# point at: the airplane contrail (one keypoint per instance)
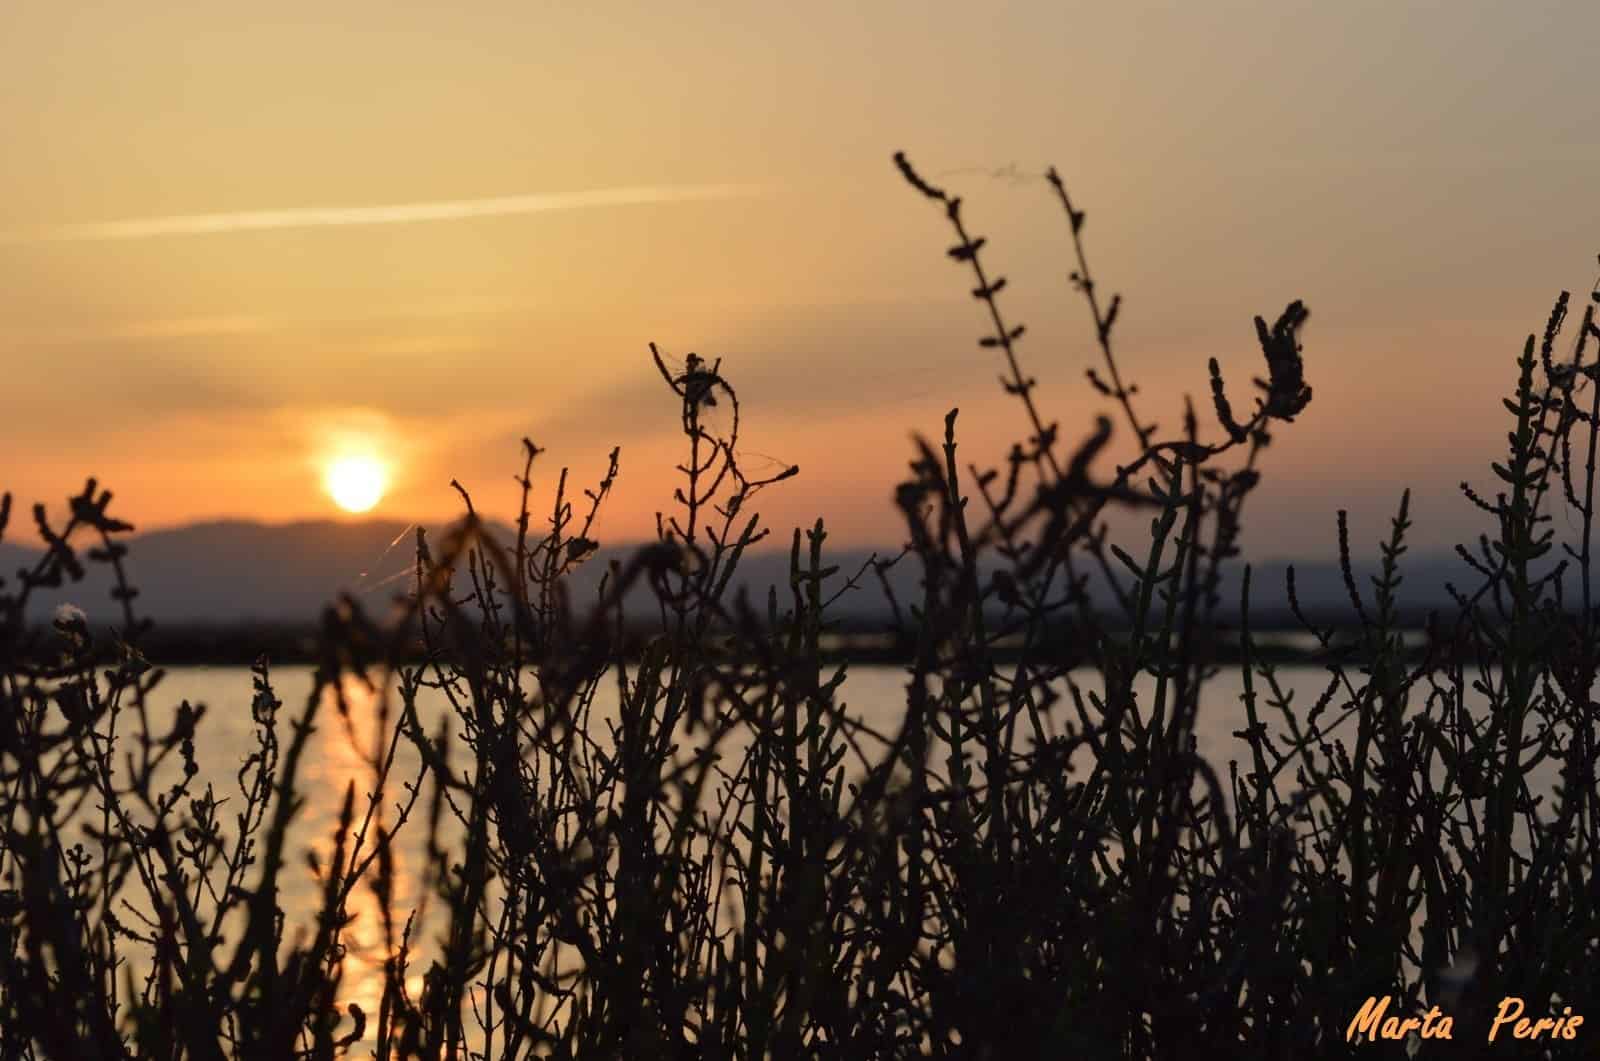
(446, 210)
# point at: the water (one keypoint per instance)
(339, 755)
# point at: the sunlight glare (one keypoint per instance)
(356, 483)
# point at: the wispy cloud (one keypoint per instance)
(397, 213)
(140, 330)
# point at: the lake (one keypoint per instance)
(875, 694)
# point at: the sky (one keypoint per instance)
(237, 241)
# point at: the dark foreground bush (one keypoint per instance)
(1035, 862)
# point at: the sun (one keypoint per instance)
(356, 483)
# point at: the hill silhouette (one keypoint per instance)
(239, 573)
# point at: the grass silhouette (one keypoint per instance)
(1035, 861)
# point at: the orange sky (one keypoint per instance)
(197, 289)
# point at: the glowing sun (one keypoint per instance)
(356, 483)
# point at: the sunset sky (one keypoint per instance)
(236, 239)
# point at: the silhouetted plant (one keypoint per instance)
(694, 847)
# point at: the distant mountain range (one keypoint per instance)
(238, 573)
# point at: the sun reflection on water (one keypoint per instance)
(354, 748)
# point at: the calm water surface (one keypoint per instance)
(337, 756)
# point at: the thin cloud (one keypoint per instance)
(209, 327)
(142, 330)
(399, 213)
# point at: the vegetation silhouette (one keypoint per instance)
(1035, 862)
